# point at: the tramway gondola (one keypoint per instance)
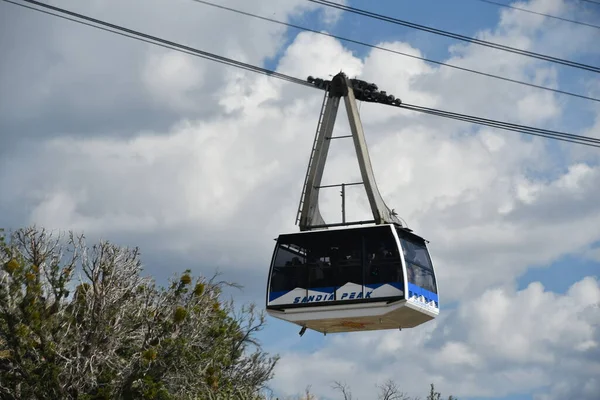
(349, 276)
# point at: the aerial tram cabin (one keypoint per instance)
(349, 276)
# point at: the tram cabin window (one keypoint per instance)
(383, 264)
(289, 268)
(419, 269)
(324, 259)
(330, 259)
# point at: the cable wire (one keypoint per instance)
(120, 33)
(397, 52)
(583, 140)
(159, 41)
(592, 1)
(539, 13)
(457, 36)
(550, 134)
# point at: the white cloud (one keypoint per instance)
(457, 354)
(81, 80)
(331, 15)
(502, 342)
(319, 56)
(170, 77)
(221, 176)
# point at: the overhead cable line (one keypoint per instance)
(539, 13)
(457, 36)
(549, 134)
(397, 52)
(587, 141)
(119, 33)
(369, 92)
(155, 40)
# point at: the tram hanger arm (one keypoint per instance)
(340, 86)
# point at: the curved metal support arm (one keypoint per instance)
(309, 213)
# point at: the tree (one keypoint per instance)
(434, 395)
(389, 390)
(82, 322)
(344, 389)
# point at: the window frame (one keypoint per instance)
(405, 236)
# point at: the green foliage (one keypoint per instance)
(107, 332)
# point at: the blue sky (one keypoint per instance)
(432, 13)
(202, 168)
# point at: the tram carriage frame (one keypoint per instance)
(402, 302)
(355, 289)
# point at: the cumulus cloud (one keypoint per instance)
(203, 164)
(500, 343)
(83, 81)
